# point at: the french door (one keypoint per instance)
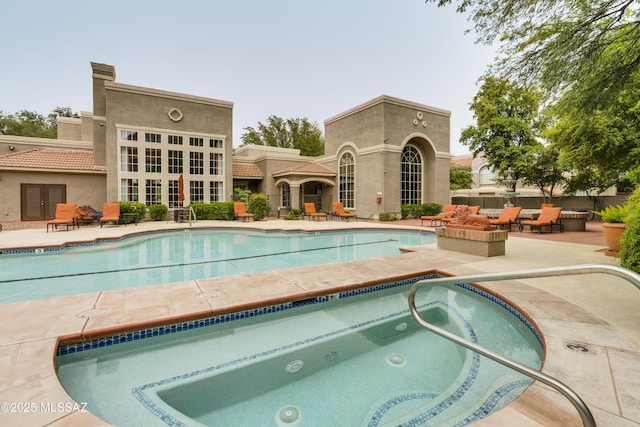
(38, 201)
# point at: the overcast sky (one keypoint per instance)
(289, 58)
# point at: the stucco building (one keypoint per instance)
(138, 141)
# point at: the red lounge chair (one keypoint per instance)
(110, 213)
(65, 215)
(549, 217)
(447, 212)
(240, 211)
(310, 211)
(508, 216)
(338, 209)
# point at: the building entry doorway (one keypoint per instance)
(38, 201)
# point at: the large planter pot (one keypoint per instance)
(612, 233)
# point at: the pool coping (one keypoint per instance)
(27, 344)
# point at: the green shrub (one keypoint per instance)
(407, 210)
(416, 211)
(241, 195)
(158, 212)
(387, 216)
(294, 214)
(630, 242)
(428, 209)
(215, 210)
(258, 206)
(140, 209)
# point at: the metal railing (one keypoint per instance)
(576, 401)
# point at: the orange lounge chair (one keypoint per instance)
(508, 216)
(549, 217)
(65, 215)
(447, 212)
(338, 209)
(310, 211)
(240, 211)
(110, 213)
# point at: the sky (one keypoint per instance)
(289, 58)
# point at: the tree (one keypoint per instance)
(601, 147)
(460, 177)
(32, 124)
(544, 171)
(291, 133)
(507, 126)
(559, 44)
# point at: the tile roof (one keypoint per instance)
(46, 158)
(246, 170)
(307, 168)
(462, 161)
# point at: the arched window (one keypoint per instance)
(411, 176)
(487, 175)
(347, 177)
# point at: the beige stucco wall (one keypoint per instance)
(81, 188)
(148, 109)
(375, 133)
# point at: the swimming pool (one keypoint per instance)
(173, 256)
(351, 358)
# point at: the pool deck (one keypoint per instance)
(590, 323)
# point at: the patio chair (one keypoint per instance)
(447, 212)
(508, 216)
(310, 211)
(549, 217)
(110, 213)
(338, 210)
(240, 211)
(65, 215)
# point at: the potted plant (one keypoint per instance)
(613, 227)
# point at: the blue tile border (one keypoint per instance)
(70, 348)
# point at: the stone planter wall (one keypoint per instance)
(473, 242)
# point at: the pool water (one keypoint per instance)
(344, 360)
(164, 257)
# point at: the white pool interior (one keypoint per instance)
(172, 256)
(354, 358)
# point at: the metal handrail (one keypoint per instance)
(578, 403)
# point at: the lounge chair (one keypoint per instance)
(65, 215)
(508, 216)
(338, 210)
(447, 212)
(549, 217)
(310, 211)
(110, 213)
(240, 211)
